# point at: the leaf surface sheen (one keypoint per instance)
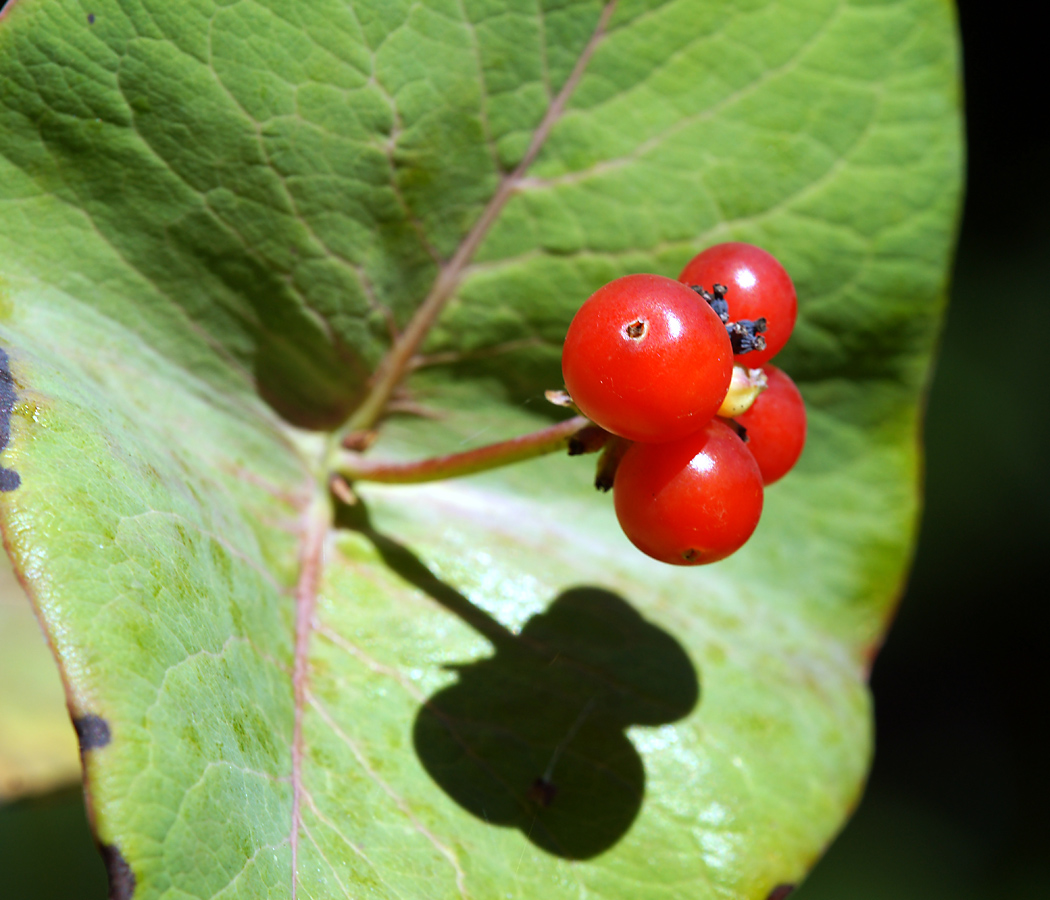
(216, 218)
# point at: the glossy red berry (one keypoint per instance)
(647, 359)
(691, 501)
(776, 426)
(758, 287)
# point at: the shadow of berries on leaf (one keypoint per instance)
(534, 737)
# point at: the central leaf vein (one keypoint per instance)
(398, 360)
(316, 525)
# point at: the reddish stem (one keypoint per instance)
(355, 467)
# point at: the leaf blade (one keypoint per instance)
(144, 327)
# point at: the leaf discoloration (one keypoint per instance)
(9, 478)
(93, 732)
(121, 878)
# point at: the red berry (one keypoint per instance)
(776, 426)
(758, 288)
(647, 359)
(690, 501)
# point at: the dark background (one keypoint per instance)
(957, 802)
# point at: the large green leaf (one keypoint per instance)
(217, 218)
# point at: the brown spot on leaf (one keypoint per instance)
(121, 878)
(92, 732)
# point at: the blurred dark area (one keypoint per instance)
(47, 851)
(956, 804)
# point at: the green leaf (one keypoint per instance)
(217, 219)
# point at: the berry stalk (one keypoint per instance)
(577, 435)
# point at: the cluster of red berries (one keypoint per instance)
(651, 360)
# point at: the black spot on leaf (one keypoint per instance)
(91, 18)
(9, 478)
(780, 892)
(121, 878)
(92, 732)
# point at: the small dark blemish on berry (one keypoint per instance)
(92, 732)
(121, 878)
(542, 792)
(637, 329)
(91, 18)
(9, 478)
(780, 891)
(691, 555)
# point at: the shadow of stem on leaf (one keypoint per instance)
(534, 737)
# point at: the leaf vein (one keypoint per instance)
(399, 801)
(604, 166)
(397, 361)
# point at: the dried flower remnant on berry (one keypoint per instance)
(637, 329)
(715, 298)
(746, 335)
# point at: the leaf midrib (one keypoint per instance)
(318, 519)
(397, 362)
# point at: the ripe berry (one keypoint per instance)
(776, 426)
(757, 288)
(690, 501)
(647, 359)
